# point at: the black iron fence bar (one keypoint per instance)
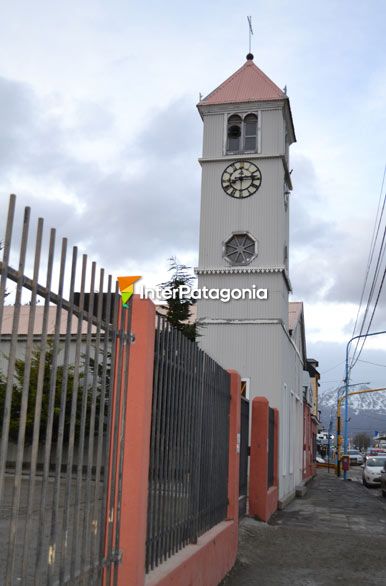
(12, 351)
(98, 524)
(153, 452)
(41, 538)
(164, 442)
(179, 463)
(23, 412)
(4, 266)
(201, 450)
(114, 455)
(38, 409)
(106, 514)
(54, 298)
(162, 445)
(192, 378)
(87, 529)
(126, 344)
(172, 445)
(72, 431)
(196, 465)
(181, 495)
(77, 542)
(54, 535)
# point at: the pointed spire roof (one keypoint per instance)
(247, 84)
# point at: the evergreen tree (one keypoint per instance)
(32, 392)
(179, 308)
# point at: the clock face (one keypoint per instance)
(241, 179)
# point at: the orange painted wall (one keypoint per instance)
(131, 571)
(262, 500)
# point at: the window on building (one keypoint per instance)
(250, 132)
(242, 133)
(234, 134)
(240, 249)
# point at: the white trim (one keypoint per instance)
(242, 270)
(233, 321)
(259, 131)
(225, 137)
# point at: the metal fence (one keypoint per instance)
(188, 474)
(59, 413)
(244, 453)
(271, 447)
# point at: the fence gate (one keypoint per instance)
(271, 446)
(244, 453)
(64, 343)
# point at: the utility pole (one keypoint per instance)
(346, 385)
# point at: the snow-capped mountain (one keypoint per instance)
(367, 412)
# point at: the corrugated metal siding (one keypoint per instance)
(272, 132)
(252, 351)
(276, 306)
(262, 214)
(213, 136)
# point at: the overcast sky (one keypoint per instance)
(99, 133)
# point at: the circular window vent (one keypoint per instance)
(240, 249)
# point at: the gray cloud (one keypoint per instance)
(125, 215)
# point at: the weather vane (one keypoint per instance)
(250, 31)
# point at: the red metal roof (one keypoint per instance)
(247, 84)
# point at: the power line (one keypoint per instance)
(372, 246)
(381, 253)
(373, 363)
(371, 319)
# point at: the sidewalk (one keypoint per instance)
(335, 534)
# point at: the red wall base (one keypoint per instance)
(263, 501)
(203, 564)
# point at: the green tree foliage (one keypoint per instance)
(362, 440)
(32, 394)
(179, 308)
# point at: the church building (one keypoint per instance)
(244, 248)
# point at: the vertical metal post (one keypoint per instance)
(346, 385)
(338, 438)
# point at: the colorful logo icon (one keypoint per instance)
(126, 287)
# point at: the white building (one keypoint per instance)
(244, 244)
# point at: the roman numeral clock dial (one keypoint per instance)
(241, 179)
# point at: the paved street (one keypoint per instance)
(335, 534)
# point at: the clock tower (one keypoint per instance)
(244, 228)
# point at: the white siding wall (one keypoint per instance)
(261, 352)
(261, 214)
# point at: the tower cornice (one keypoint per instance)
(245, 271)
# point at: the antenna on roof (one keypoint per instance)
(249, 18)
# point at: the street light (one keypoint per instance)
(338, 434)
(346, 385)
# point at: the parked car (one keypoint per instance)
(355, 457)
(383, 480)
(371, 475)
(374, 452)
